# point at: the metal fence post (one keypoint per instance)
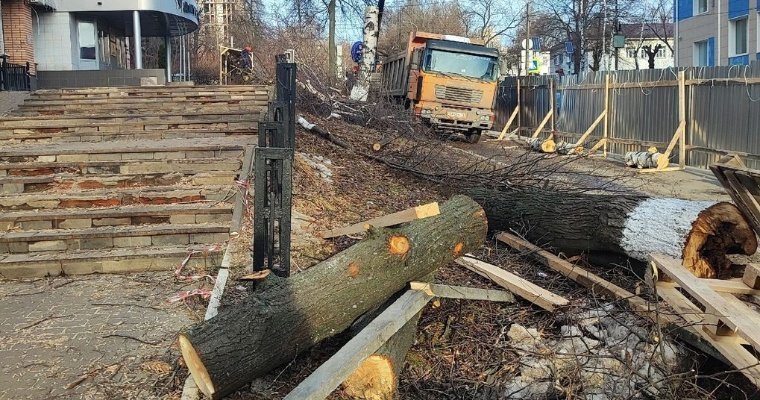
(273, 184)
(27, 77)
(4, 73)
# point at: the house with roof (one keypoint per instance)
(631, 53)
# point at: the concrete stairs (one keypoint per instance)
(123, 179)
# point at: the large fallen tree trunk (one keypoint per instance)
(615, 227)
(287, 316)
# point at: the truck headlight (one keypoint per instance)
(426, 112)
(485, 117)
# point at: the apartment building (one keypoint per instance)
(63, 39)
(716, 32)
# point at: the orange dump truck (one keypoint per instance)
(449, 81)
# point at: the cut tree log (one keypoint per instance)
(410, 214)
(646, 159)
(616, 228)
(544, 146)
(234, 347)
(322, 133)
(377, 146)
(367, 365)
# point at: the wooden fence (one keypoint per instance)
(700, 114)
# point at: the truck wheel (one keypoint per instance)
(473, 137)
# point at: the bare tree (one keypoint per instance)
(490, 19)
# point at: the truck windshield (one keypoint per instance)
(469, 65)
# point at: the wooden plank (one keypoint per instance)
(751, 276)
(340, 366)
(738, 356)
(591, 128)
(410, 214)
(682, 118)
(594, 282)
(731, 286)
(606, 112)
(519, 286)
(542, 124)
(509, 122)
(728, 313)
(243, 192)
(463, 293)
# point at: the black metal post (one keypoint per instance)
(273, 185)
(27, 77)
(4, 73)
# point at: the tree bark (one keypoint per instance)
(616, 228)
(287, 316)
(332, 51)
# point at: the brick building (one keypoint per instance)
(66, 41)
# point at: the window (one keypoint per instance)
(700, 54)
(737, 37)
(631, 52)
(86, 40)
(700, 6)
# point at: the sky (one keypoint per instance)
(349, 26)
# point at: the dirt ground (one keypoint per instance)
(114, 336)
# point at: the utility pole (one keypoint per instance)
(617, 31)
(527, 37)
(331, 56)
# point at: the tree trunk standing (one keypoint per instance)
(287, 316)
(613, 228)
(332, 58)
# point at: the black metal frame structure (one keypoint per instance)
(273, 174)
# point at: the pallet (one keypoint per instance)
(742, 184)
(729, 324)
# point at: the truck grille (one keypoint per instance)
(460, 95)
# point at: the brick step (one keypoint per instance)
(154, 95)
(126, 102)
(107, 237)
(223, 147)
(58, 182)
(157, 89)
(118, 131)
(115, 110)
(110, 198)
(118, 260)
(94, 119)
(77, 218)
(126, 167)
(243, 98)
(138, 135)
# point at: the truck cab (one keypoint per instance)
(448, 81)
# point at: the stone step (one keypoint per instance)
(157, 89)
(110, 198)
(126, 102)
(58, 182)
(127, 130)
(154, 95)
(114, 110)
(78, 218)
(95, 119)
(224, 147)
(138, 135)
(127, 167)
(107, 237)
(115, 260)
